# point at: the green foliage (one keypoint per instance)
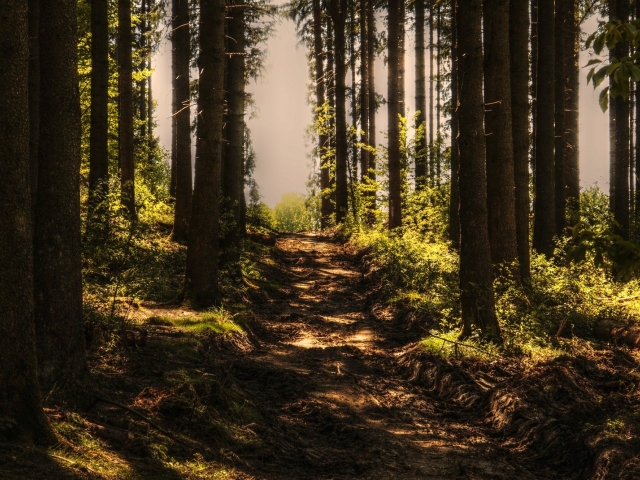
(292, 214)
(218, 321)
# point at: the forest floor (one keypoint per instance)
(327, 380)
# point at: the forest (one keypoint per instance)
(447, 300)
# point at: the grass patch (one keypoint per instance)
(217, 321)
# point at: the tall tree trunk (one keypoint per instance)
(233, 168)
(612, 125)
(99, 133)
(181, 54)
(534, 84)
(151, 140)
(476, 283)
(544, 226)
(34, 98)
(57, 259)
(364, 90)
(323, 139)
(499, 141)
(353, 170)
(518, 50)
(401, 60)
(201, 279)
(338, 12)
(20, 396)
(454, 197)
(572, 117)
(421, 98)
(393, 110)
(560, 101)
(432, 160)
(373, 103)
(636, 180)
(125, 93)
(438, 95)
(621, 174)
(331, 94)
(143, 83)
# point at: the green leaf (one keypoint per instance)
(603, 100)
(593, 61)
(598, 44)
(599, 76)
(590, 39)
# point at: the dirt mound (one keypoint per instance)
(571, 415)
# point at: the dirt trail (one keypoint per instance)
(326, 382)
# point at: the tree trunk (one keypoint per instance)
(438, 153)
(621, 174)
(421, 98)
(572, 117)
(637, 146)
(98, 219)
(201, 279)
(401, 60)
(560, 101)
(454, 199)
(432, 160)
(181, 54)
(323, 139)
(476, 283)
(331, 94)
(364, 90)
(534, 84)
(19, 393)
(57, 260)
(353, 169)
(339, 12)
(233, 168)
(393, 110)
(34, 99)
(499, 142)
(373, 103)
(143, 83)
(544, 226)
(518, 49)
(125, 93)
(612, 125)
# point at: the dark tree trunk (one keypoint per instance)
(201, 280)
(353, 169)
(99, 134)
(612, 125)
(421, 98)
(125, 94)
(401, 60)
(476, 288)
(432, 160)
(518, 49)
(572, 117)
(534, 84)
(499, 141)
(454, 200)
(323, 139)
(181, 54)
(393, 110)
(560, 99)
(438, 152)
(143, 64)
(233, 168)
(621, 173)
(544, 226)
(57, 261)
(331, 94)
(19, 392)
(373, 104)
(364, 90)
(339, 12)
(34, 98)
(637, 146)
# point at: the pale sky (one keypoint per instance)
(282, 115)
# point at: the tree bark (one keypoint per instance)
(432, 160)
(499, 141)
(393, 111)
(364, 90)
(143, 83)
(544, 226)
(181, 54)
(454, 199)
(612, 125)
(518, 49)
(438, 152)
(560, 102)
(98, 219)
(421, 98)
(57, 259)
(201, 279)
(476, 288)
(572, 114)
(34, 98)
(534, 84)
(339, 12)
(323, 139)
(233, 168)
(621, 173)
(19, 393)
(373, 103)
(125, 93)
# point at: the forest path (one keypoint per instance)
(328, 390)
